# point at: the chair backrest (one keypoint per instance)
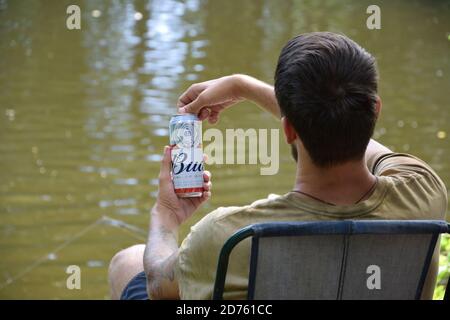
(365, 259)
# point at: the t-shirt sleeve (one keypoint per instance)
(414, 178)
(400, 164)
(198, 257)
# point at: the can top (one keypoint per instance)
(187, 116)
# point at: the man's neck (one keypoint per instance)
(343, 184)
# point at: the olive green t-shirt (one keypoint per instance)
(407, 189)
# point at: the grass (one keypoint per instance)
(444, 268)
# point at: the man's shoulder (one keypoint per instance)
(405, 168)
(414, 185)
(398, 164)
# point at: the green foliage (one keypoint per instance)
(444, 268)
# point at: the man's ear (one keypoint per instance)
(289, 132)
(378, 106)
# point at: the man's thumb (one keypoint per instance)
(193, 107)
(164, 173)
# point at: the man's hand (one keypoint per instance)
(173, 210)
(208, 99)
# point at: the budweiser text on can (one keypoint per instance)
(187, 155)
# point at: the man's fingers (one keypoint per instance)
(207, 186)
(189, 101)
(164, 173)
(213, 117)
(193, 107)
(189, 95)
(206, 195)
(204, 113)
(206, 176)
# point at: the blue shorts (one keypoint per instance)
(136, 289)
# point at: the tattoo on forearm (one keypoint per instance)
(160, 258)
(166, 268)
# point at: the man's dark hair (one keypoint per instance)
(326, 86)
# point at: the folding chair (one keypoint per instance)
(364, 259)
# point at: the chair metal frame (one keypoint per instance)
(344, 227)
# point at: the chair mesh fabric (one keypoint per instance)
(340, 266)
(304, 267)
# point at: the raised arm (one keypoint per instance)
(208, 99)
(258, 92)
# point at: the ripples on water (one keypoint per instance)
(84, 114)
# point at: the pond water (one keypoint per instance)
(84, 114)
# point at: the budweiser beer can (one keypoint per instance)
(187, 155)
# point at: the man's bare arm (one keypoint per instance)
(258, 92)
(161, 254)
(168, 213)
(210, 98)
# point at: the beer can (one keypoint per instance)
(187, 155)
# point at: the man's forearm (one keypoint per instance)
(161, 254)
(259, 93)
